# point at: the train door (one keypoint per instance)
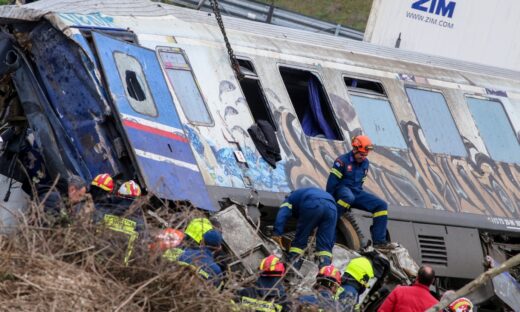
(160, 148)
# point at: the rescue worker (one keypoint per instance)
(345, 183)
(113, 215)
(101, 187)
(327, 283)
(268, 294)
(460, 305)
(129, 189)
(201, 258)
(196, 228)
(313, 208)
(168, 243)
(355, 280)
(79, 203)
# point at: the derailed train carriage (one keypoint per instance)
(145, 90)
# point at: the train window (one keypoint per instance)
(181, 78)
(310, 103)
(136, 88)
(378, 121)
(495, 129)
(252, 90)
(436, 122)
(364, 86)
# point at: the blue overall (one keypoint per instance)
(202, 261)
(313, 208)
(345, 183)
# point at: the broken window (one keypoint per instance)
(495, 129)
(375, 113)
(253, 93)
(310, 103)
(436, 121)
(186, 89)
(136, 88)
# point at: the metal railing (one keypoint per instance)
(266, 13)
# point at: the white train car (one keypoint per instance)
(146, 90)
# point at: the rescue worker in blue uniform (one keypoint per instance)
(345, 183)
(327, 283)
(268, 293)
(313, 208)
(201, 258)
(355, 280)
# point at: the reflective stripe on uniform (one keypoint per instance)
(286, 204)
(324, 253)
(172, 254)
(343, 203)
(380, 214)
(260, 305)
(338, 292)
(125, 226)
(296, 250)
(336, 172)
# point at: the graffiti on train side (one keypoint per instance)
(221, 167)
(413, 177)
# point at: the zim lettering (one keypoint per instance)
(437, 7)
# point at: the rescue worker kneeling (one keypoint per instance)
(201, 258)
(355, 280)
(268, 294)
(327, 284)
(313, 208)
(112, 212)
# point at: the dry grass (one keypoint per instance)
(79, 268)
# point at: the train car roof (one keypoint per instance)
(49, 9)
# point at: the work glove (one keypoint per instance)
(278, 240)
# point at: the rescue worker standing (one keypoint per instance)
(313, 208)
(268, 293)
(345, 183)
(201, 259)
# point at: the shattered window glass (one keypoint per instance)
(437, 124)
(186, 89)
(378, 121)
(136, 88)
(495, 129)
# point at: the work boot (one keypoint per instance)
(295, 260)
(324, 261)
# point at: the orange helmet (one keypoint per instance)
(330, 273)
(129, 189)
(104, 181)
(167, 239)
(362, 143)
(460, 305)
(272, 266)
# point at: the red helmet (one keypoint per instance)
(460, 305)
(167, 239)
(104, 181)
(272, 266)
(330, 273)
(362, 143)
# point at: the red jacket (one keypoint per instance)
(415, 298)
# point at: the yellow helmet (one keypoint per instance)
(197, 228)
(361, 270)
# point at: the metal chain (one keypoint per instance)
(232, 58)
